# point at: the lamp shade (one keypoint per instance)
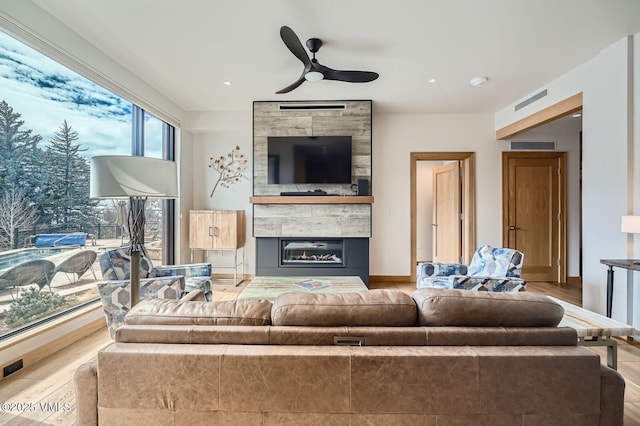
(121, 176)
(630, 224)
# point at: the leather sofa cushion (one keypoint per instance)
(446, 307)
(194, 334)
(390, 308)
(174, 312)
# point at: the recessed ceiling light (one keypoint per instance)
(226, 83)
(577, 115)
(432, 80)
(478, 81)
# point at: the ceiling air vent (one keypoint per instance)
(532, 146)
(311, 107)
(531, 100)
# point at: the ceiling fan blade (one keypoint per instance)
(292, 42)
(293, 85)
(349, 76)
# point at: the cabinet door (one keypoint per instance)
(225, 229)
(201, 229)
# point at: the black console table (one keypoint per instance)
(628, 264)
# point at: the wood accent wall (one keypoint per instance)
(269, 120)
(312, 220)
(275, 216)
(316, 199)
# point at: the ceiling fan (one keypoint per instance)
(313, 70)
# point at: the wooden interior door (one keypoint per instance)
(533, 212)
(447, 223)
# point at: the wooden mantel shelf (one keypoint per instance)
(312, 199)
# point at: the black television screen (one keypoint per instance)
(309, 159)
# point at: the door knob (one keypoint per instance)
(512, 228)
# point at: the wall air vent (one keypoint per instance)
(12, 368)
(311, 107)
(532, 146)
(531, 100)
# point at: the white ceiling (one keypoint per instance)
(185, 49)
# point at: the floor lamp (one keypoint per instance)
(136, 178)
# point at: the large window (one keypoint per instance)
(51, 122)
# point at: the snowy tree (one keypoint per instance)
(68, 201)
(15, 213)
(21, 160)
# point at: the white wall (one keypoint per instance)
(609, 184)
(215, 134)
(394, 138)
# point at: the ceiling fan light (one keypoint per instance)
(313, 76)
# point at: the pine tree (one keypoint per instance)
(68, 201)
(21, 168)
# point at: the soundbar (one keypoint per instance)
(294, 193)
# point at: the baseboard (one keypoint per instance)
(227, 280)
(230, 276)
(39, 352)
(574, 280)
(383, 279)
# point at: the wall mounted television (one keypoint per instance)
(309, 159)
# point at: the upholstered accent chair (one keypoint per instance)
(115, 265)
(491, 269)
(161, 282)
(115, 296)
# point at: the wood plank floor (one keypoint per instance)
(46, 388)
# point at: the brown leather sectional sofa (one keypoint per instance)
(381, 357)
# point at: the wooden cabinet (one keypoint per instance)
(216, 229)
(219, 230)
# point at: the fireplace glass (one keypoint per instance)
(312, 252)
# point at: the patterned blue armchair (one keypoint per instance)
(491, 269)
(162, 282)
(115, 296)
(115, 265)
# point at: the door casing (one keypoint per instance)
(467, 165)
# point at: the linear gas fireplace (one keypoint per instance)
(313, 257)
(311, 252)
